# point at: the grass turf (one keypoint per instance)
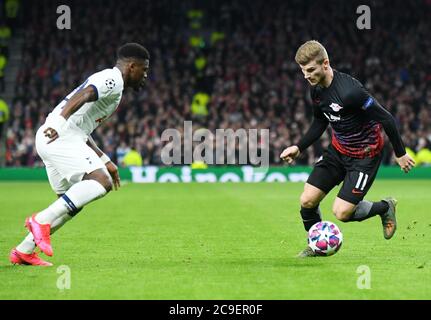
(216, 241)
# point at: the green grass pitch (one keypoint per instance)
(217, 241)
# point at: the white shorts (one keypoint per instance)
(67, 159)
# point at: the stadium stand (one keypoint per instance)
(221, 65)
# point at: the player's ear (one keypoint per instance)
(326, 64)
(131, 64)
(134, 64)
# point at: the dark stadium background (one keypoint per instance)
(239, 55)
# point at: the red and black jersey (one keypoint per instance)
(356, 119)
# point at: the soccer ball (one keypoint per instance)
(325, 238)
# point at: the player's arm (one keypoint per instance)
(81, 97)
(92, 144)
(379, 114)
(110, 166)
(317, 128)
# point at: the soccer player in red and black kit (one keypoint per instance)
(354, 156)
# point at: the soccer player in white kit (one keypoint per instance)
(78, 171)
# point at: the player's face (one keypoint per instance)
(139, 73)
(314, 72)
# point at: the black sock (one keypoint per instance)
(366, 209)
(380, 207)
(310, 216)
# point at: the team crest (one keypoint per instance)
(110, 83)
(336, 107)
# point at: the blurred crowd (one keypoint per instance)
(8, 16)
(221, 65)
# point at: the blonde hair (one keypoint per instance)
(309, 51)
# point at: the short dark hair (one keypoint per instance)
(133, 50)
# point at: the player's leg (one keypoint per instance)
(327, 173)
(24, 252)
(310, 200)
(346, 211)
(94, 185)
(60, 221)
(60, 186)
(28, 245)
(100, 176)
(87, 180)
(350, 204)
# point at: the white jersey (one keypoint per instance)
(109, 86)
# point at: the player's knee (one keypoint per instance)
(106, 183)
(308, 202)
(101, 177)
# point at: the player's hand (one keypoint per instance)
(113, 171)
(289, 154)
(405, 162)
(51, 134)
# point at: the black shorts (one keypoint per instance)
(358, 174)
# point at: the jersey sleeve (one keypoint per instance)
(105, 83)
(317, 128)
(360, 98)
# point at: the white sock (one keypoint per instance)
(75, 198)
(59, 222)
(53, 212)
(28, 245)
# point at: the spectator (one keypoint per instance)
(4, 115)
(12, 7)
(3, 63)
(5, 34)
(132, 159)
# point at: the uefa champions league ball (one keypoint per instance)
(325, 238)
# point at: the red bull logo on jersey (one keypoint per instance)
(336, 107)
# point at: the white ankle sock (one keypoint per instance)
(53, 212)
(59, 222)
(27, 245)
(75, 198)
